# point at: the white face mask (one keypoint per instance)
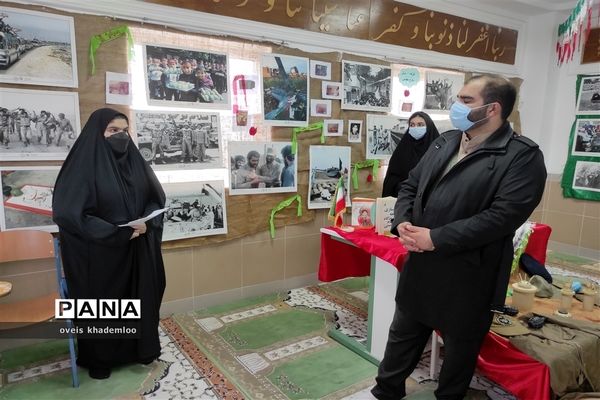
(417, 132)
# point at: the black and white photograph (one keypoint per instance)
(383, 133)
(118, 88)
(285, 86)
(588, 100)
(333, 127)
(171, 140)
(195, 209)
(355, 129)
(441, 89)
(320, 70)
(327, 165)
(587, 138)
(331, 90)
(178, 77)
(37, 124)
(367, 87)
(587, 176)
(37, 48)
(262, 168)
(27, 198)
(320, 108)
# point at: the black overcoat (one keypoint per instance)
(473, 212)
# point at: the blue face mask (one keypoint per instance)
(417, 132)
(459, 115)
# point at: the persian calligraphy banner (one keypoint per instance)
(385, 21)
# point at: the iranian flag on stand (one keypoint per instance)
(338, 204)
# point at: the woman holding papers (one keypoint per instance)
(415, 142)
(102, 186)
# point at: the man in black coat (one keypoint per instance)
(457, 213)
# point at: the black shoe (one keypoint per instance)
(147, 361)
(99, 373)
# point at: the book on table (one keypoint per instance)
(384, 211)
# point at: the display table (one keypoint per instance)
(363, 253)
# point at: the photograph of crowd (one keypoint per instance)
(37, 124)
(367, 87)
(285, 90)
(179, 139)
(327, 165)
(587, 139)
(587, 176)
(37, 48)
(383, 135)
(262, 167)
(195, 209)
(441, 89)
(27, 198)
(588, 100)
(186, 78)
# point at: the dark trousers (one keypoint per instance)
(407, 339)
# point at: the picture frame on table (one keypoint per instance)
(327, 165)
(285, 85)
(27, 197)
(185, 77)
(38, 48)
(262, 168)
(383, 133)
(176, 140)
(195, 209)
(367, 87)
(41, 124)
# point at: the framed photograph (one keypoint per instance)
(331, 90)
(37, 48)
(37, 124)
(587, 176)
(327, 165)
(355, 130)
(320, 108)
(178, 77)
(383, 134)
(333, 127)
(588, 100)
(118, 88)
(285, 86)
(195, 209)
(27, 198)
(441, 89)
(367, 87)
(170, 140)
(587, 141)
(262, 167)
(320, 69)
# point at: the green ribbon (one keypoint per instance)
(364, 164)
(281, 206)
(312, 127)
(97, 40)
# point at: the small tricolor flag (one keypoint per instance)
(338, 204)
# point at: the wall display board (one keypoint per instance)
(195, 209)
(169, 140)
(367, 87)
(285, 84)
(262, 167)
(37, 48)
(581, 175)
(27, 198)
(383, 133)
(178, 77)
(327, 165)
(37, 124)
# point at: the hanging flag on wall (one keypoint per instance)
(575, 29)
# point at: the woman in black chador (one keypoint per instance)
(415, 142)
(103, 183)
